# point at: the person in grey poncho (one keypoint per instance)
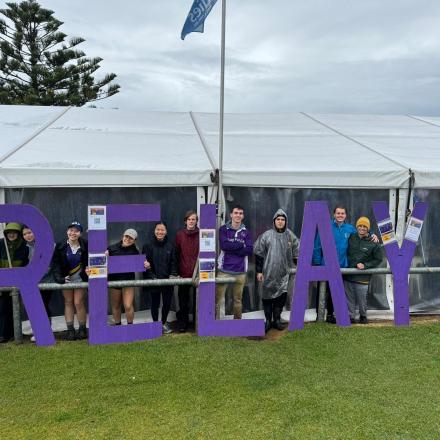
(275, 251)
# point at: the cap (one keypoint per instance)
(364, 221)
(76, 225)
(131, 233)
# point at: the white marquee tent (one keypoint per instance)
(62, 147)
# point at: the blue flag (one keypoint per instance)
(197, 15)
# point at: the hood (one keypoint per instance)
(277, 214)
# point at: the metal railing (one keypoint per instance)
(18, 337)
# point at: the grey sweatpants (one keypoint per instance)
(356, 294)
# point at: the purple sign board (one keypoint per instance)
(316, 219)
(400, 259)
(207, 324)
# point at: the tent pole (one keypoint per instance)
(222, 112)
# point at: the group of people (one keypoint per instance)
(276, 251)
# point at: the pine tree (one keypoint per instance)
(37, 67)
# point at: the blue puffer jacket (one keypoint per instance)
(341, 235)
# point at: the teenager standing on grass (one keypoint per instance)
(119, 295)
(160, 264)
(236, 247)
(13, 253)
(72, 257)
(363, 253)
(275, 251)
(187, 252)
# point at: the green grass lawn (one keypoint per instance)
(323, 382)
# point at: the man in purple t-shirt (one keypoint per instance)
(236, 246)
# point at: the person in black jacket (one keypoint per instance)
(127, 246)
(13, 253)
(161, 263)
(72, 257)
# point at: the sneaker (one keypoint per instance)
(352, 320)
(166, 328)
(70, 334)
(32, 338)
(331, 319)
(82, 333)
(363, 320)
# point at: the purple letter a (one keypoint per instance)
(316, 215)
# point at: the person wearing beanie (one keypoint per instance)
(119, 295)
(13, 253)
(275, 251)
(363, 253)
(342, 231)
(72, 257)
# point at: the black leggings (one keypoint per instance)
(167, 295)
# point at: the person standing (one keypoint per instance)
(363, 253)
(72, 257)
(235, 248)
(341, 233)
(119, 295)
(13, 253)
(52, 274)
(187, 252)
(275, 251)
(160, 264)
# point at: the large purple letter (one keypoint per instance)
(316, 215)
(400, 261)
(100, 332)
(207, 324)
(27, 278)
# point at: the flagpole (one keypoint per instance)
(222, 114)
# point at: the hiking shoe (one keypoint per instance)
(82, 333)
(363, 320)
(70, 334)
(166, 329)
(330, 319)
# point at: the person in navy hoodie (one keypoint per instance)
(236, 246)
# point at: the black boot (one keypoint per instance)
(277, 324)
(267, 307)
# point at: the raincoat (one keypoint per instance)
(275, 252)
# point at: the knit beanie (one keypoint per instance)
(364, 221)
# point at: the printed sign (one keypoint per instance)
(97, 217)
(414, 229)
(207, 269)
(386, 230)
(207, 240)
(97, 266)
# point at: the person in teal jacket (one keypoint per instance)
(341, 233)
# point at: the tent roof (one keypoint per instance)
(55, 146)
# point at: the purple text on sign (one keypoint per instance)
(27, 278)
(317, 217)
(100, 332)
(207, 324)
(400, 261)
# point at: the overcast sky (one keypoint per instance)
(380, 56)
